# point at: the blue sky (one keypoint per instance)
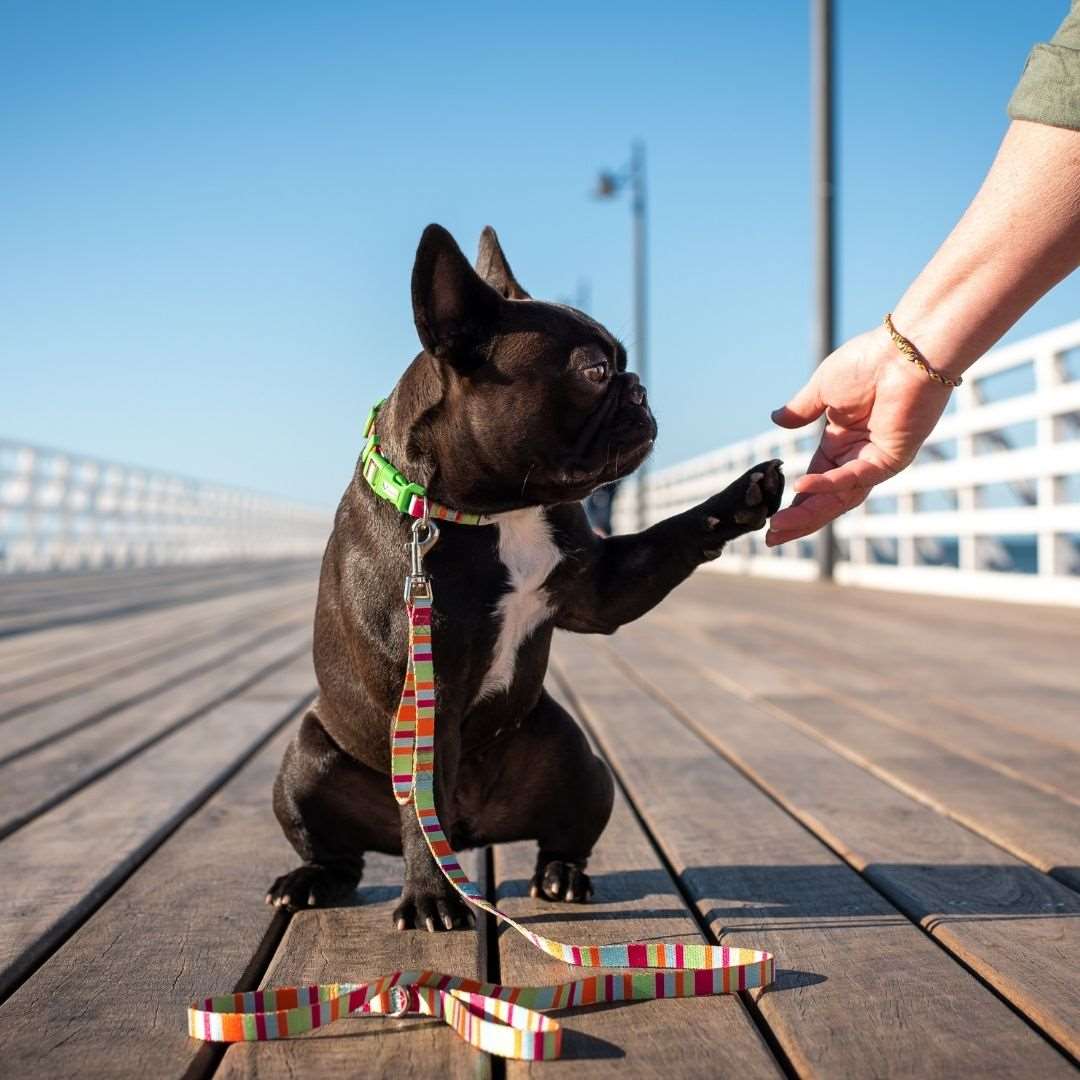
(208, 211)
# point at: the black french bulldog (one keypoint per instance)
(515, 408)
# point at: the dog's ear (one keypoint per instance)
(492, 266)
(454, 310)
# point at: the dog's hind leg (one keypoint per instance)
(551, 788)
(332, 809)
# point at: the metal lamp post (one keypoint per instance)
(824, 219)
(610, 184)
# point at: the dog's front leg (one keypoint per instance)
(621, 578)
(428, 901)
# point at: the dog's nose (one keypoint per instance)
(636, 393)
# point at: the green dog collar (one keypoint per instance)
(389, 484)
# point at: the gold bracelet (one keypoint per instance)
(916, 357)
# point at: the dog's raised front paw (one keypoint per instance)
(561, 880)
(311, 885)
(743, 506)
(432, 910)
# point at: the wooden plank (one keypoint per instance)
(1046, 712)
(33, 783)
(189, 922)
(953, 618)
(636, 900)
(29, 651)
(51, 653)
(1035, 826)
(159, 640)
(1016, 927)
(24, 592)
(59, 867)
(59, 592)
(71, 583)
(1032, 745)
(822, 664)
(747, 666)
(1033, 822)
(861, 991)
(130, 602)
(351, 944)
(37, 727)
(1053, 768)
(864, 663)
(1030, 820)
(843, 627)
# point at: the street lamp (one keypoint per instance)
(609, 184)
(824, 202)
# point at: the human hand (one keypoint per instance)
(879, 408)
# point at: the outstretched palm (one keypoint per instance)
(878, 410)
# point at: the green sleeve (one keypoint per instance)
(1049, 89)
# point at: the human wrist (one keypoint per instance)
(910, 352)
(880, 349)
(947, 343)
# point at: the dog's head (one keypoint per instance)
(537, 405)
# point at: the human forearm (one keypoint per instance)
(1019, 237)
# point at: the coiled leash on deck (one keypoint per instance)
(502, 1020)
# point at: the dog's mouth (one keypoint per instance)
(621, 457)
(624, 459)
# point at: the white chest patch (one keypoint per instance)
(529, 555)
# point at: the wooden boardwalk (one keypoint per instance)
(881, 789)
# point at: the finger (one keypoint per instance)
(858, 473)
(807, 516)
(774, 538)
(804, 407)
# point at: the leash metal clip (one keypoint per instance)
(425, 535)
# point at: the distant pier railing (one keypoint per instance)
(990, 507)
(61, 511)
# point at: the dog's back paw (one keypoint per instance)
(560, 879)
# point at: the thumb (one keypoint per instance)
(805, 406)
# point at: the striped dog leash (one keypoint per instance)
(504, 1020)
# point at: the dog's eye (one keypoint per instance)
(596, 372)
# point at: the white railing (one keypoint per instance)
(61, 511)
(991, 506)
